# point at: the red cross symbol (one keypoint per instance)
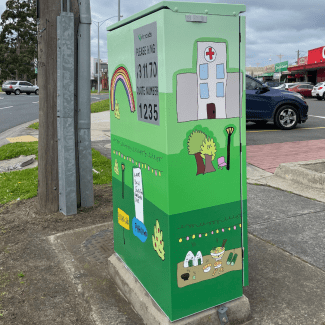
(210, 54)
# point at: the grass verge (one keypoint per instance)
(23, 184)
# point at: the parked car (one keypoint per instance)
(303, 89)
(282, 86)
(289, 85)
(319, 91)
(264, 104)
(18, 87)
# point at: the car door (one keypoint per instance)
(303, 90)
(29, 87)
(22, 86)
(258, 104)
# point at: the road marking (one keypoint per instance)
(263, 131)
(1, 97)
(35, 102)
(96, 97)
(6, 107)
(318, 127)
(317, 116)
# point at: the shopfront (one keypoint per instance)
(310, 68)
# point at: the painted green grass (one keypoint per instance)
(23, 184)
(97, 107)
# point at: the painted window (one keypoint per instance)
(220, 89)
(204, 71)
(204, 91)
(220, 71)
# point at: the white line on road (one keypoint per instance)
(35, 102)
(96, 97)
(317, 116)
(5, 107)
(1, 97)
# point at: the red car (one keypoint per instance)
(303, 89)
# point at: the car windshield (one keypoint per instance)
(319, 84)
(290, 86)
(10, 82)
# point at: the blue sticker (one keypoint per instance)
(139, 229)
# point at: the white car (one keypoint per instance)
(289, 85)
(282, 86)
(319, 91)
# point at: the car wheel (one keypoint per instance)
(27, 93)
(17, 92)
(36, 92)
(8, 92)
(286, 118)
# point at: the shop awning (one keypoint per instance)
(307, 66)
(268, 74)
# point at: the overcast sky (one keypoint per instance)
(272, 27)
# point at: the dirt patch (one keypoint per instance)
(34, 286)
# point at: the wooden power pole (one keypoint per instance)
(48, 177)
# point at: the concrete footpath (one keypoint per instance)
(286, 212)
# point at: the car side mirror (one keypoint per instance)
(264, 89)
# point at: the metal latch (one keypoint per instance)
(196, 18)
(223, 315)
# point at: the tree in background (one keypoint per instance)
(18, 40)
(208, 152)
(194, 144)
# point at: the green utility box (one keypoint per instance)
(178, 142)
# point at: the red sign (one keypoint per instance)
(316, 55)
(302, 60)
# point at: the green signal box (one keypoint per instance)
(178, 143)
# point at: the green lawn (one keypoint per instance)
(22, 184)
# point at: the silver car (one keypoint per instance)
(18, 87)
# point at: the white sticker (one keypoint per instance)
(138, 193)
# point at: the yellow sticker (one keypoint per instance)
(123, 219)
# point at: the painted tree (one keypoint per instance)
(208, 152)
(194, 144)
(157, 241)
(18, 40)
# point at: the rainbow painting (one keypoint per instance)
(122, 75)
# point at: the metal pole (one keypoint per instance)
(98, 60)
(119, 7)
(84, 138)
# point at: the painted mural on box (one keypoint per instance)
(205, 151)
(211, 93)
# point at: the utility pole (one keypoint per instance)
(297, 57)
(98, 76)
(48, 173)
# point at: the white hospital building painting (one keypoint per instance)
(211, 93)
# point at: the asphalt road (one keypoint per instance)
(313, 129)
(16, 110)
